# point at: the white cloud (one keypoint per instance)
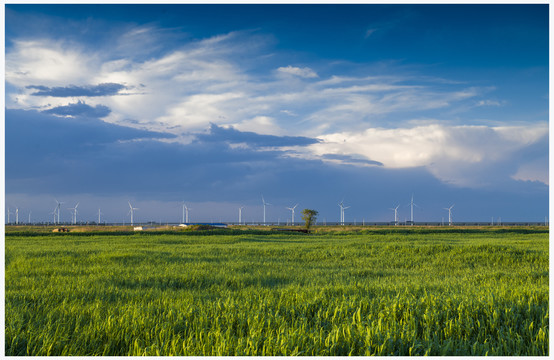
(260, 124)
(304, 72)
(48, 63)
(489, 103)
(196, 111)
(451, 153)
(289, 113)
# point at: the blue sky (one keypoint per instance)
(216, 105)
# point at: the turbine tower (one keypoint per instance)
(74, 217)
(263, 202)
(16, 216)
(57, 210)
(395, 214)
(292, 209)
(342, 208)
(240, 214)
(185, 213)
(9, 212)
(449, 214)
(99, 216)
(412, 204)
(131, 211)
(29, 217)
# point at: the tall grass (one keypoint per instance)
(238, 293)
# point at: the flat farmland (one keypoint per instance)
(370, 291)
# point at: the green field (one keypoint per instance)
(416, 291)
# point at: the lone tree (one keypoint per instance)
(309, 216)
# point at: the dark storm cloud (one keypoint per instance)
(104, 89)
(47, 154)
(231, 135)
(37, 142)
(80, 109)
(88, 155)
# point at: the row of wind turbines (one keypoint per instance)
(185, 215)
(411, 205)
(343, 207)
(55, 212)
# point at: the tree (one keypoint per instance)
(309, 216)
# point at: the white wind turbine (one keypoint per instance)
(16, 216)
(29, 216)
(449, 214)
(342, 208)
(240, 214)
(74, 217)
(184, 206)
(395, 214)
(292, 209)
(99, 213)
(131, 211)
(9, 212)
(57, 209)
(263, 202)
(185, 213)
(412, 204)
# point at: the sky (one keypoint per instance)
(219, 105)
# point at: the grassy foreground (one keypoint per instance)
(370, 292)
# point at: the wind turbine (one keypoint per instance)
(131, 211)
(185, 213)
(342, 208)
(9, 212)
(240, 213)
(449, 214)
(16, 216)
(74, 217)
(57, 209)
(411, 204)
(395, 214)
(184, 206)
(263, 202)
(99, 216)
(292, 209)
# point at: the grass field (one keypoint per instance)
(416, 291)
